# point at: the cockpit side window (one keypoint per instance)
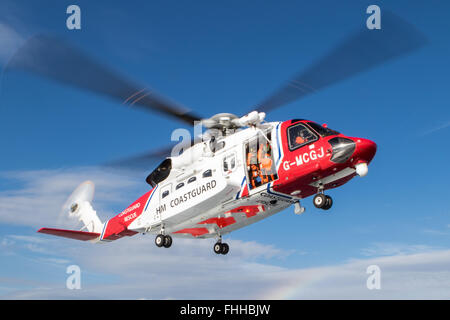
(299, 135)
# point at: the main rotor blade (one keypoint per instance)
(140, 162)
(54, 59)
(145, 160)
(357, 53)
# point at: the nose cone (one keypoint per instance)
(365, 149)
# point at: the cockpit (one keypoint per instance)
(303, 133)
(299, 135)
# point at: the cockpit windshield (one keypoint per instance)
(323, 131)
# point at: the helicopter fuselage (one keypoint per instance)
(246, 177)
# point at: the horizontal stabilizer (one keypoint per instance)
(72, 234)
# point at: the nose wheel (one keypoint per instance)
(322, 201)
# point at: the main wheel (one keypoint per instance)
(218, 248)
(159, 240)
(225, 248)
(167, 241)
(328, 203)
(319, 200)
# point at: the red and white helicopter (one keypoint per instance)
(244, 169)
(214, 188)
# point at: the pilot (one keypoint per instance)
(301, 137)
(299, 140)
(252, 166)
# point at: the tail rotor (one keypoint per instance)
(78, 209)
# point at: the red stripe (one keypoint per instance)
(194, 231)
(221, 222)
(117, 226)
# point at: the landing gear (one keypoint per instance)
(163, 241)
(322, 201)
(221, 248)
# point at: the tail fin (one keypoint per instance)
(78, 206)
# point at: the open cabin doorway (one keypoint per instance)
(259, 160)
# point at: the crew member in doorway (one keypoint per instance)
(265, 162)
(252, 167)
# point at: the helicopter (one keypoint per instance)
(244, 168)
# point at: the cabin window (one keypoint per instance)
(192, 179)
(229, 162)
(180, 185)
(165, 191)
(207, 173)
(299, 135)
(220, 145)
(216, 146)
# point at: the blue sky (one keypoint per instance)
(225, 57)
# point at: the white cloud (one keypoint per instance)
(412, 276)
(390, 249)
(38, 201)
(134, 268)
(435, 232)
(10, 41)
(190, 270)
